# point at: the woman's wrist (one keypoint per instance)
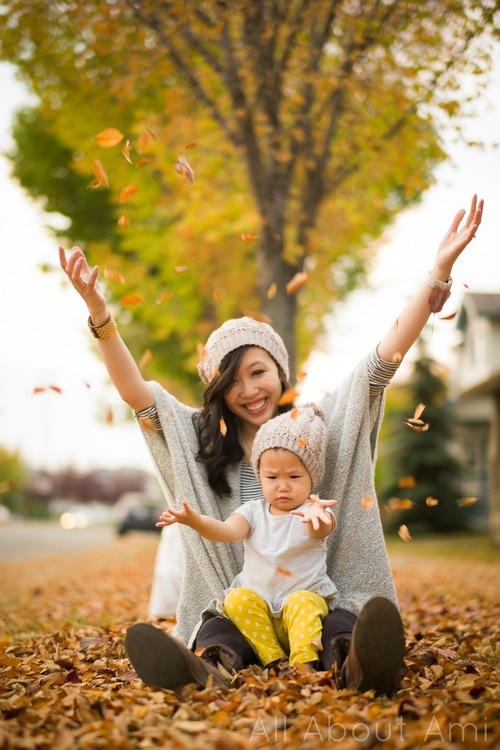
(99, 315)
(441, 273)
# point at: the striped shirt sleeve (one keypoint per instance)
(149, 418)
(380, 373)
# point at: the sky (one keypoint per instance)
(45, 340)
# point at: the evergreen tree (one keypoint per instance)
(419, 481)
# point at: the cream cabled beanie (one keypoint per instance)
(301, 431)
(240, 332)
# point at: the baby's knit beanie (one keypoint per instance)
(301, 431)
(240, 332)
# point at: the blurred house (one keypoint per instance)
(476, 390)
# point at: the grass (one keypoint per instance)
(464, 546)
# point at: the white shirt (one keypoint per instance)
(281, 542)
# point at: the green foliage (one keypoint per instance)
(421, 458)
(315, 123)
(13, 475)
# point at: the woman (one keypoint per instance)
(203, 456)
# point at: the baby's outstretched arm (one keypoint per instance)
(233, 529)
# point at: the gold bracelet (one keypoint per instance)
(105, 330)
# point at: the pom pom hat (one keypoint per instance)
(301, 431)
(241, 332)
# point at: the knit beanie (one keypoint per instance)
(240, 332)
(301, 431)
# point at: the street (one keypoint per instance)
(22, 540)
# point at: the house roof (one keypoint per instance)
(485, 305)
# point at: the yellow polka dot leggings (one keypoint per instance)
(294, 634)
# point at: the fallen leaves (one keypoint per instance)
(67, 681)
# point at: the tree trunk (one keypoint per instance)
(282, 309)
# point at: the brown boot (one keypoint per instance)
(159, 659)
(375, 658)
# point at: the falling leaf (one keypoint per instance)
(39, 389)
(303, 441)
(131, 299)
(148, 424)
(418, 411)
(217, 295)
(288, 396)
(127, 192)
(109, 138)
(297, 282)
(95, 184)
(465, 285)
(123, 221)
(114, 276)
(283, 572)
(142, 162)
(100, 173)
(182, 166)
(271, 292)
(259, 317)
(294, 413)
(397, 357)
(415, 422)
(367, 502)
(301, 376)
(55, 388)
(164, 297)
(180, 269)
(395, 504)
(144, 139)
(145, 359)
(190, 145)
(431, 501)
(152, 133)
(126, 152)
(404, 533)
(465, 502)
(248, 237)
(406, 482)
(448, 317)
(109, 416)
(222, 427)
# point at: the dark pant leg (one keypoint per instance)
(338, 622)
(221, 631)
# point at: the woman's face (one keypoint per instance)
(254, 395)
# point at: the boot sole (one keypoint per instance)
(380, 635)
(158, 659)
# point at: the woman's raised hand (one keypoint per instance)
(84, 280)
(457, 238)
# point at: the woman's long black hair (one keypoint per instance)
(217, 451)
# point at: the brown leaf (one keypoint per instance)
(190, 145)
(152, 133)
(431, 501)
(109, 138)
(404, 533)
(100, 173)
(466, 502)
(142, 162)
(123, 221)
(248, 237)
(448, 317)
(55, 388)
(271, 292)
(297, 282)
(406, 482)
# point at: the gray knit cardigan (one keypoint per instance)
(357, 556)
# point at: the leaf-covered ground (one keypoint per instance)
(66, 683)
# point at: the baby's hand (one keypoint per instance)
(315, 513)
(187, 516)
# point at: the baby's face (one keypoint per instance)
(285, 480)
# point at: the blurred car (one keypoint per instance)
(137, 511)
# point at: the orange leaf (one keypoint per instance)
(448, 317)
(294, 413)
(283, 572)
(95, 184)
(114, 276)
(109, 138)
(131, 299)
(55, 388)
(271, 292)
(223, 428)
(127, 192)
(301, 376)
(145, 359)
(109, 416)
(288, 396)
(431, 501)
(100, 173)
(297, 282)
(148, 424)
(164, 297)
(38, 389)
(126, 152)
(406, 482)
(465, 502)
(142, 162)
(248, 238)
(180, 269)
(190, 145)
(123, 221)
(152, 133)
(367, 502)
(217, 295)
(303, 441)
(144, 139)
(396, 504)
(404, 533)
